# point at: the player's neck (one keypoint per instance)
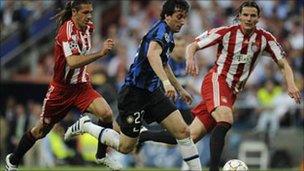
(77, 25)
(247, 32)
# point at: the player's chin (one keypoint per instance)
(177, 29)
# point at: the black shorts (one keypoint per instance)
(136, 105)
(187, 116)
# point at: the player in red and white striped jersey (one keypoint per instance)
(71, 86)
(239, 46)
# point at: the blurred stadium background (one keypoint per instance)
(268, 129)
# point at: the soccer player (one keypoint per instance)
(177, 63)
(70, 86)
(141, 97)
(239, 46)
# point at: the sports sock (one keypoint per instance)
(157, 136)
(26, 143)
(190, 153)
(101, 148)
(106, 136)
(217, 142)
(110, 138)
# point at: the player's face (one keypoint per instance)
(248, 18)
(176, 20)
(83, 15)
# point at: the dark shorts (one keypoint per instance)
(187, 116)
(136, 105)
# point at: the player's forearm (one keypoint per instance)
(77, 61)
(287, 72)
(190, 51)
(288, 75)
(172, 78)
(157, 66)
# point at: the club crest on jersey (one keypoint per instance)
(255, 46)
(224, 99)
(74, 46)
(130, 119)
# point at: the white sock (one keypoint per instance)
(111, 138)
(92, 129)
(190, 154)
(108, 136)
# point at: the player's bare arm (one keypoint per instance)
(292, 89)
(191, 66)
(77, 61)
(181, 91)
(153, 55)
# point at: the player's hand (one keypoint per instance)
(169, 89)
(191, 67)
(294, 93)
(107, 47)
(184, 95)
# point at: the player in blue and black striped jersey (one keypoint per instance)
(141, 73)
(150, 83)
(177, 63)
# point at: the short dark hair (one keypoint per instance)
(246, 4)
(249, 4)
(170, 6)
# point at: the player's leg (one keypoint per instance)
(163, 136)
(219, 101)
(27, 141)
(52, 112)
(224, 120)
(100, 108)
(91, 101)
(197, 130)
(130, 123)
(180, 130)
(120, 142)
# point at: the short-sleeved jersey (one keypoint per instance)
(141, 74)
(71, 41)
(179, 70)
(237, 52)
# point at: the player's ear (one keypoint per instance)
(166, 15)
(74, 11)
(238, 16)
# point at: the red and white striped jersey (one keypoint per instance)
(237, 53)
(71, 41)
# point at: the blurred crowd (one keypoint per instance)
(17, 16)
(263, 106)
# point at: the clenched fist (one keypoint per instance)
(107, 47)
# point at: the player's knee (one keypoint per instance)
(223, 114)
(184, 132)
(106, 115)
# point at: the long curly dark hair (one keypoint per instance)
(66, 13)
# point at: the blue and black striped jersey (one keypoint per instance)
(141, 74)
